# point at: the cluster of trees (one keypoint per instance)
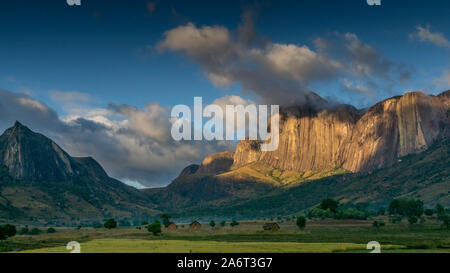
(7, 231)
(330, 208)
(411, 209)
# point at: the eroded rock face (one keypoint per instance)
(247, 151)
(310, 139)
(216, 163)
(345, 137)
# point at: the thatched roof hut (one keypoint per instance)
(271, 227)
(195, 225)
(172, 226)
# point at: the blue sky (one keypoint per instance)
(105, 48)
(106, 52)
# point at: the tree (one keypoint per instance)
(51, 230)
(7, 231)
(166, 219)
(301, 221)
(439, 210)
(35, 231)
(329, 203)
(445, 219)
(408, 208)
(144, 223)
(110, 223)
(428, 212)
(412, 219)
(154, 227)
(234, 223)
(212, 223)
(223, 223)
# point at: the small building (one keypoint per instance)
(271, 227)
(172, 226)
(195, 225)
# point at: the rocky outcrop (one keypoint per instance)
(311, 139)
(394, 128)
(216, 163)
(344, 137)
(247, 151)
(31, 156)
(191, 169)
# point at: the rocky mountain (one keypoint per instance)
(40, 182)
(316, 143)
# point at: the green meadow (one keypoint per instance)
(323, 236)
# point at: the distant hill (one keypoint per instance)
(40, 182)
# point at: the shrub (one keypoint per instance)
(301, 222)
(234, 223)
(35, 231)
(51, 230)
(212, 223)
(329, 203)
(110, 223)
(154, 227)
(412, 219)
(7, 231)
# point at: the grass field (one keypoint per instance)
(319, 236)
(185, 246)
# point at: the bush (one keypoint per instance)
(154, 227)
(212, 223)
(7, 231)
(223, 223)
(35, 231)
(110, 223)
(51, 230)
(412, 219)
(429, 212)
(234, 223)
(301, 222)
(329, 203)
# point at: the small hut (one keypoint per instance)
(195, 226)
(172, 226)
(271, 227)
